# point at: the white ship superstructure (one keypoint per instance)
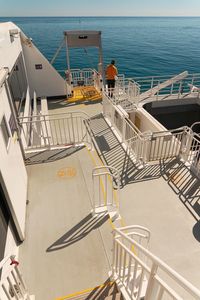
(99, 189)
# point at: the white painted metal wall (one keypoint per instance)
(46, 81)
(9, 51)
(13, 169)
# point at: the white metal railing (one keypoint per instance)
(129, 133)
(97, 81)
(133, 90)
(82, 77)
(27, 113)
(56, 130)
(167, 144)
(106, 185)
(135, 142)
(193, 153)
(12, 285)
(27, 108)
(153, 146)
(140, 274)
(182, 86)
(21, 103)
(129, 91)
(35, 104)
(125, 93)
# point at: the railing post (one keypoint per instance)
(93, 193)
(123, 130)
(113, 256)
(186, 142)
(157, 95)
(22, 282)
(192, 79)
(150, 288)
(172, 88)
(180, 91)
(152, 82)
(146, 147)
(73, 132)
(47, 132)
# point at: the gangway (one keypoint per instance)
(154, 90)
(85, 84)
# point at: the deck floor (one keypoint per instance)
(66, 250)
(169, 206)
(63, 250)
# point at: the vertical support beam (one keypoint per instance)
(146, 141)
(70, 91)
(67, 55)
(14, 113)
(100, 66)
(151, 282)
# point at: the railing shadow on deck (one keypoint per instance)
(112, 153)
(47, 156)
(107, 289)
(79, 231)
(186, 185)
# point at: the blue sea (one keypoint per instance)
(141, 46)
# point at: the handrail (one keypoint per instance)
(194, 124)
(4, 260)
(111, 171)
(149, 146)
(20, 103)
(164, 76)
(57, 114)
(130, 134)
(181, 280)
(193, 152)
(12, 283)
(55, 130)
(103, 192)
(106, 167)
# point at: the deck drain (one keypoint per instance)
(66, 172)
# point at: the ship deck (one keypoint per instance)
(67, 249)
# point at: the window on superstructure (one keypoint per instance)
(18, 84)
(11, 38)
(13, 34)
(5, 131)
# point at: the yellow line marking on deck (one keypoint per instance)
(123, 224)
(85, 291)
(67, 172)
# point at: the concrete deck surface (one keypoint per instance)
(163, 197)
(63, 251)
(168, 207)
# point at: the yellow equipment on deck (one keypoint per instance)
(85, 93)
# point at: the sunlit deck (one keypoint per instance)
(67, 249)
(63, 252)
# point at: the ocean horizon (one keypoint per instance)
(141, 45)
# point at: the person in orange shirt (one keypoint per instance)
(111, 73)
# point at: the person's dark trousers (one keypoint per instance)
(111, 86)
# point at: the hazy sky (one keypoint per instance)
(100, 8)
